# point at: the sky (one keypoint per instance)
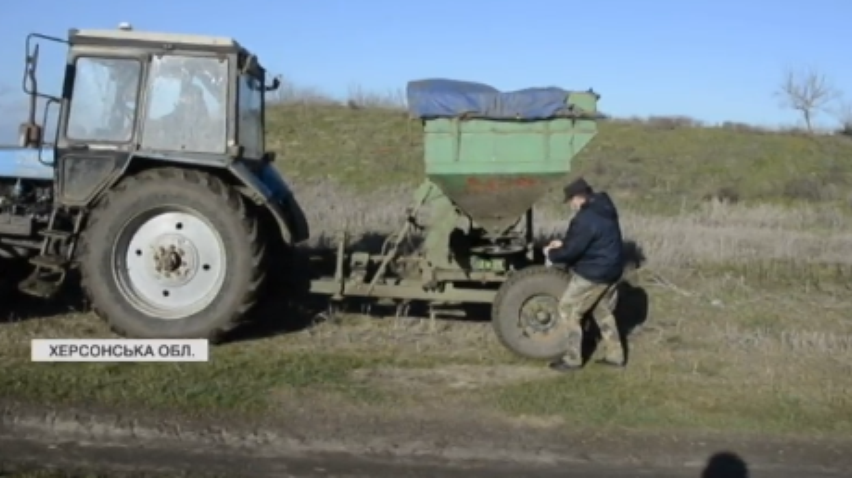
(714, 60)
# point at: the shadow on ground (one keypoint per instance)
(725, 465)
(17, 307)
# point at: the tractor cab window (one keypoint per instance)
(103, 101)
(250, 115)
(187, 105)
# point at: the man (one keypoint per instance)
(592, 248)
(187, 126)
(190, 106)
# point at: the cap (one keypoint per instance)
(575, 188)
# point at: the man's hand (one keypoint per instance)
(551, 245)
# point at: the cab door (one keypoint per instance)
(98, 127)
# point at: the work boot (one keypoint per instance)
(613, 353)
(610, 363)
(562, 366)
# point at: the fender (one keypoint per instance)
(268, 188)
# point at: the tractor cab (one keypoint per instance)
(173, 96)
(131, 95)
(169, 94)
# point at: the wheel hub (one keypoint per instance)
(174, 260)
(540, 313)
(175, 263)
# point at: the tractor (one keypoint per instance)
(157, 187)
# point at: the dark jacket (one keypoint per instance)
(593, 246)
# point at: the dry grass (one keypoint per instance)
(713, 232)
(748, 327)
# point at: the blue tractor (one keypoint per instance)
(157, 186)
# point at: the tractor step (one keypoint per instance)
(47, 278)
(56, 234)
(36, 286)
(51, 263)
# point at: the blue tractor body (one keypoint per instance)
(26, 163)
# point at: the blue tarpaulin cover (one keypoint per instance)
(442, 98)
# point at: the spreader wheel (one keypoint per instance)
(525, 312)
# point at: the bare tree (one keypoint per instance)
(808, 92)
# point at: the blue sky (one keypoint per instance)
(715, 60)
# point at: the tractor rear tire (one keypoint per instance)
(542, 337)
(172, 253)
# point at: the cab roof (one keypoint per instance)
(134, 37)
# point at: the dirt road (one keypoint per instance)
(234, 464)
(369, 447)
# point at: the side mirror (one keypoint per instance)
(269, 157)
(30, 135)
(276, 83)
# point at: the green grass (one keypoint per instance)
(748, 327)
(750, 364)
(236, 379)
(661, 402)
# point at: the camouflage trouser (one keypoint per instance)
(579, 298)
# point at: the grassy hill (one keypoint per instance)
(662, 161)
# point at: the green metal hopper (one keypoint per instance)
(499, 153)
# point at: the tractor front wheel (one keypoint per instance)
(525, 313)
(172, 253)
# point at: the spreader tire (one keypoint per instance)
(172, 253)
(545, 285)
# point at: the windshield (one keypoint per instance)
(103, 102)
(187, 105)
(250, 112)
